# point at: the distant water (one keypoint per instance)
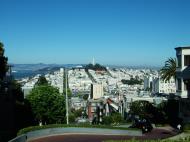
(23, 74)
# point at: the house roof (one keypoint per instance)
(183, 47)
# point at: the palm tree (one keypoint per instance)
(169, 69)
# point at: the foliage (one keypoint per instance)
(140, 108)
(170, 109)
(47, 104)
(144, 109)
(187, 127)
(107, 120)
(77, 113)
(83, 125)
(3, 62)
(95, 67)
(85, 96)
(17, 90)
(132, 81)
(114, 118)
(69, 93)
(72, 118)
(41, 81)
(169, 69)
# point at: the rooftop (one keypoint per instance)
(183, 47)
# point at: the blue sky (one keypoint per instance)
(117, 32)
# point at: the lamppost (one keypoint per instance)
(66, 95)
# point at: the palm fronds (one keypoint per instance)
(169, 69)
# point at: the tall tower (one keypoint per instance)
(93, 61)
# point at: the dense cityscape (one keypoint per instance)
(94, 71)
(96, 95)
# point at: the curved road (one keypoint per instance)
(155, 134)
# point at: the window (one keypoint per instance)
(186, 60)
(185, 86)
(179, 84)
(178, 60)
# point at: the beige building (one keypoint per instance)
(96, 91)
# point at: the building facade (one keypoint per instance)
(97, 91)
(161, 86)
(183, 72)
(148, 83)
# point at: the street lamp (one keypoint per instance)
(66, 95)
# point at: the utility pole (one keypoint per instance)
(67, 111)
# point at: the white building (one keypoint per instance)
(183, 71)
(161, 86)
(148, 82)
(96, 91)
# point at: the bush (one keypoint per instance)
(107, 120)
(115, 118)
(186, 127)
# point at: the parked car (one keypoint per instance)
(143, 124)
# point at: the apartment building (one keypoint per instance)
(161, 86)
(183, 71)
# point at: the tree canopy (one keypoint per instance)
(95, 67)
(114, 118)
(42, 81)
(47, 104)
(132, 81)
(3, 62)
(145, 109)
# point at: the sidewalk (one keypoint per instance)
(180, 136)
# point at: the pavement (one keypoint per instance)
(180, 136)
(157, 133)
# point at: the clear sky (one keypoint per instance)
(117, 32)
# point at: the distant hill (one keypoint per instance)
(29, 70)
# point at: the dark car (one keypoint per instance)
(146, 126)
(143, 124)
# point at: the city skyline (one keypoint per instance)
(114, 32)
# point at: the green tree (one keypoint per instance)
(132, 81)
(3, 62)
(107, 120)
(95, 67)
(47, 104)
(169, 69)
(141, 108)
(145, 109)
(117, 118)
(78, 113)
(114, 118)
(41, 81)
(69, 93)
(17, 91)
(85, 97)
